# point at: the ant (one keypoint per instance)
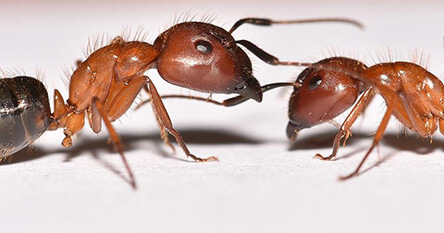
(24, 113)
(329, 87)
(195, 55)
(413, 95)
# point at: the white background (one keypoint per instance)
(262, 183)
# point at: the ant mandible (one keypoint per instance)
(329, 87)
(195, 55)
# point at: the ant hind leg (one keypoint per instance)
(378, 137)
(97, 107)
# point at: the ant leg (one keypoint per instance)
(184, 97)
(61, 110)
(378, 137)
(64, 117)
(165, 121)
(122, 98)
(269, 22)
(228, 102)
(164, 134)
(97, 107)
(344, 131)
(441, 125)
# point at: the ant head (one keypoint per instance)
(204, 57)
(327, 89)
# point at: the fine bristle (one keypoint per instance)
(40, 75)
(334, 51)
(139, 35)
(104, 39)
(67, 72)
(187, 16)
(12, 72)
(415, 56)
(383, 56)
(418, 57)
(95, 43)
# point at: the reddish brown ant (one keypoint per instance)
(413, 95)
(195, 55)
(329, 87)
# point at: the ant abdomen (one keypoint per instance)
(323, 94)
(24, 113)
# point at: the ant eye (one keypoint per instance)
(204, 47)
(315, 82)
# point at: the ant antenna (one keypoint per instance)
(269, 22)
(268, 58)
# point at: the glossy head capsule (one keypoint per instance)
(205, 57)
(323, 94)
(24, 113)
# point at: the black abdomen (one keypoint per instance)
(24, 113)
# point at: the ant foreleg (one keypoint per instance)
(378, 137)
(97, 107)
(344, 131)
(165, 121)
(269, 22)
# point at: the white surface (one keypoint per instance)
(259, 185)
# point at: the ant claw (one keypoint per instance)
(67, 142)
(319, 156)
(211, 159)
(172, 148)
(343, 178)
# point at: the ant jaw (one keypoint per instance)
(293, 131)
(249, 88)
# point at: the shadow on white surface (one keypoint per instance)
(261, 184)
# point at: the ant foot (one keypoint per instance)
(168, 143)
(171, 147)
(343, 178)
(67, 142)
(209, 159)
(319, 156)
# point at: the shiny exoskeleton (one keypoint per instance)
(24, 113)
(413, 95)
(321, 95)
(195, 55)
(329, 87)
